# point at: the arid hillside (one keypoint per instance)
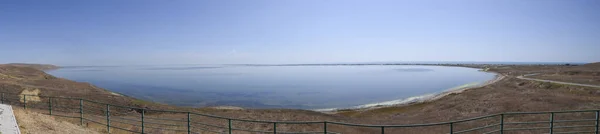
(584, 74)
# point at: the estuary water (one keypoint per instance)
(298, 87)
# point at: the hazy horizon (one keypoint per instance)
(151, 32)
(324, 63)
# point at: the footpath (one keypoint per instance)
(558, 82)
(8, 122)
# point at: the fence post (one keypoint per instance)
(501, 123)
(143, 112)
(551, 122)
(451, 128)
(188, 123)
(274, 127)
(25, 102)
(382, 130)
(81, 111)
(107, 118)
(229, 122)
(325, 127)
(50, 105)
(597, 119)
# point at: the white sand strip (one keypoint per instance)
(418, 99)
(8, 123)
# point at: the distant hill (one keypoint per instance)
(42, 67)
(592, 65)
(11, 72)
(590, 69)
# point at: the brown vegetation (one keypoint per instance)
(35, 123)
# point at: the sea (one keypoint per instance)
(311, 87)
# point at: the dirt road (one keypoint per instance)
(558, 82)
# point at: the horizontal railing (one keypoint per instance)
(141, 120)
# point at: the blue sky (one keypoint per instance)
(134, 32)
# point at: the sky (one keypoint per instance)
(148, 32)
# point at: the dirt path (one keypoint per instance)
(558, 82)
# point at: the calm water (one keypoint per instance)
(303, 87)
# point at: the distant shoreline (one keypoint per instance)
(43, 67)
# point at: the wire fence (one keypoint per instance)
(123, 119)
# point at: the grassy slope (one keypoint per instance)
(35, 123)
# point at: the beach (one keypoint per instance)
(417, 99)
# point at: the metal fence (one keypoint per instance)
(140, 120)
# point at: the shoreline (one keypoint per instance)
(415, 99)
